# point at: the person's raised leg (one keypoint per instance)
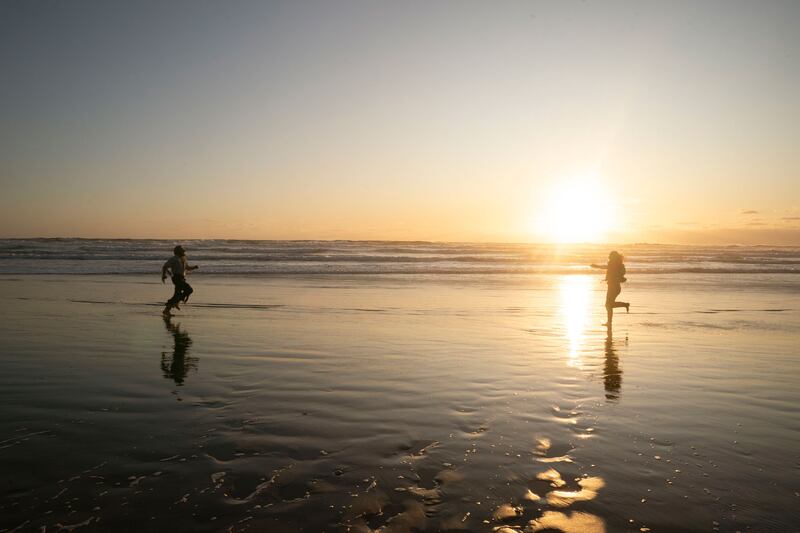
(186, 292)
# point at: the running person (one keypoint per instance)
(177, 266)
(615, 277)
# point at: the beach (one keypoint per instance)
(398, 402)
(392, 267)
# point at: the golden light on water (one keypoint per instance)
(576, 304)
(581, 210)
(575, 522)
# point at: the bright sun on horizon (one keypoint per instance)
(577, 211)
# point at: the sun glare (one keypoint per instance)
(574, 212)
(576, 304)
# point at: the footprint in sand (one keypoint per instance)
(588, 491)
(575, 522)
(558, 497)
(552, 476)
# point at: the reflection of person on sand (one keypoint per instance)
(177, 366)
(615, 277)
(612, 373)
(177, 266)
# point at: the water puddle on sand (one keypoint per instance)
(420, 486)
(250, 470)
(411, 420)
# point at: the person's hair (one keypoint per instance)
(615, 257)
(178, 250)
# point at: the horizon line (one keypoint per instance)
(428, 241)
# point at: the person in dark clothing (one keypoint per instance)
(615, 277)
(177, 267)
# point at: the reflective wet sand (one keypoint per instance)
(393, 403)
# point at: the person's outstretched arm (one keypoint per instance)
(595, 265)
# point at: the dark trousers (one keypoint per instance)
(182, 291)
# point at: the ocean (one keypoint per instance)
(237, 257)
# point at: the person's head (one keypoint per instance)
(615, 257)
(179, 251)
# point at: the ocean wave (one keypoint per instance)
(330, 269)
(248, 258)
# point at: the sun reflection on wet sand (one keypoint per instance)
(576, 301)
(576, 522)
(588, 491)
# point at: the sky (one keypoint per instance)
(675, 122)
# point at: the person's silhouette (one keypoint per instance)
(177, 366)
(178, 267)
(615, 277)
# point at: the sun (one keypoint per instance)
(578, 211)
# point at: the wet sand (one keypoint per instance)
(400, 402)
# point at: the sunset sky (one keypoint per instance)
(478, 121)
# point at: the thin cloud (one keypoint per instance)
(758, 234)
(749, 212)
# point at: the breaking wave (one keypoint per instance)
(253, 258)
